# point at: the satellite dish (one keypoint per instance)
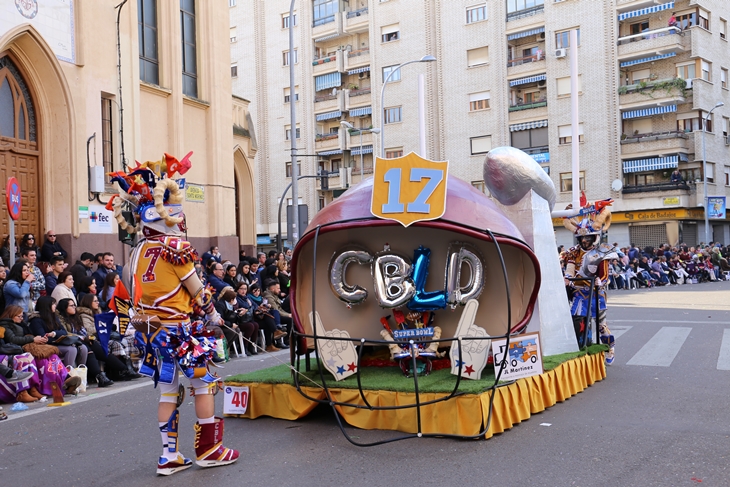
(616, 185)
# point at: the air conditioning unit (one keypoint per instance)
(541, 36)
(542, 83)
(689, 84)
(561, 53)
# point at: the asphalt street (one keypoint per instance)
(660, 418)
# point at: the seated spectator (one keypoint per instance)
(28, 242)
(87, 286)
(232, 278)
(17, 286)
(225, 308)
(213, 253)
(107, 267)
(51, 248)
(44, 322)
(271, 272)
(5, 250)
(284, 277)
(215, 278)
(243, 272)
(110, 284)
(3, 277)
(615, 275)
(82, 267)
(658, 273)
(38, 286)
(262, 315)
(271, 295)
(240, 316)
(57, 264)
(677, 268)
(65, 288)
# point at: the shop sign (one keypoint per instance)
(650, 215)
(195, 192)
(671, 201)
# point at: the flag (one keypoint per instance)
(104, 323)
(120, 305)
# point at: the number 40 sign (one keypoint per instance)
(409, 189)
(235, 400)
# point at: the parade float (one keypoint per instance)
(409, 288)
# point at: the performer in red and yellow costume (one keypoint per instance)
(165, 289)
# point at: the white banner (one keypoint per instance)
(235, 400)
(523, 359)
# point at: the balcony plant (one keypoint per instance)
(648, 88)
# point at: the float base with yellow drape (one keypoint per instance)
(463, 415)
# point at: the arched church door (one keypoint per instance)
(19, 152)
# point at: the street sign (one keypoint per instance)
(12, 198)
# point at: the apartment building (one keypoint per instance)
(650, 71)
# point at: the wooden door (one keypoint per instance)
(19, 155)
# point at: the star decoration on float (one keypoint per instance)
(458, 363)
(352, 367)
(469, 369)
(331, 362)
(340, 369)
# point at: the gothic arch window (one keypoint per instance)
(17, 114)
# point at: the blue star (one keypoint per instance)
(458, 362)
(341, 369)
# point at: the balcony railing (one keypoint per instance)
(359, 52)
(527, 106)
(324, 97)
(669, 134)
(650, 34)
(364, 91)
(525, 13)
(325, 136)
(526, 59)
(648, 188)
(324, 59)
(357, 13)
(323, 20)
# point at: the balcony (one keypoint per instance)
(328, 64)
(672, 141)
(338, 179)
(326, 142)
(356, 20)
(666, 188)
(353, 139)
(357, 59)
(657, 41)
(526, 65)
(327, 27)
(357, 97)
(528, 12)
(660, 91)
(542, 102)
(325, 101)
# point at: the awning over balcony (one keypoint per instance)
(330, 152)
(366, 149)
(647, 59)
(361, 112)
(326, 38)
(529, 79)
(326, 81)
(526, 33)
(651, 164)
(359, 70)
(528, 125)
(645, 11)
(648, 112)
(329, 115)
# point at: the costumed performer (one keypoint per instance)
(165, 286)
(588, 228)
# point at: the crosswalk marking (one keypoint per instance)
(617, 330)
(723, 361)
(663, 347)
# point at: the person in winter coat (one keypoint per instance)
(17, 287)
(44, 322)
(65, 288)
(51, 248)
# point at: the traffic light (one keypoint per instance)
(324, 181)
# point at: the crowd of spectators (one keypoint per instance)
(48, 301)
(665, 265)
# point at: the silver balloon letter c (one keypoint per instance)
(350, 294)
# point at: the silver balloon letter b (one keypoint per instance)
(393, 284)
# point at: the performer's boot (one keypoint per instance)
(209, 448)
(610, 355)
(171, 461)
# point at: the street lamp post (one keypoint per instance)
(704, 171)
(425, 59)
(296, 205)
(373, 130)
(293, 113)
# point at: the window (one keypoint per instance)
(324, 11)
(727, 176)
(234, 70)
(233, 34)
(563, 85)
(285, 21)
(562, 39)
(393, 153)
(530, 139)
(149, 69)
(704, 19)
(392, 115)
(288, 173)
(107, 135)
(640, 75)
(479, 101)
(723, 77)
(517, 5)
(692, 121)
(641, 126)
(710, 172)
(480, 186)
(321, 203)
(231, 3)
(566, 181)
(336, 163)
(723, 29)
(390, 32)
(690, 19)
(639, 27)
(706, 71)
(686, 70)
(287, 94)
(387, 70)
(480, 145)
(477, 57)
(565, 134)
(725, 123)
(189, 56)
(285, 57)
(476, 14)
(287, 132)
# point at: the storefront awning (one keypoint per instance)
(329, 115)
(647, 59)
(362, 69)
(645, 11)
(366, 149)
(529, 79)
(526, 33)
(325, 81)
(330, 152)
(361, 112)
(650, 164)
(528, 125)
(648, 112)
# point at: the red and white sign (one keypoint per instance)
(235, 399)
(12, 198)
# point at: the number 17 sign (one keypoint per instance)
(409, 189)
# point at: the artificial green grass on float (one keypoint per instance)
(392, 379)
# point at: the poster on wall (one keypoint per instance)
(53, 19)
(101, 220)
(716, 207)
